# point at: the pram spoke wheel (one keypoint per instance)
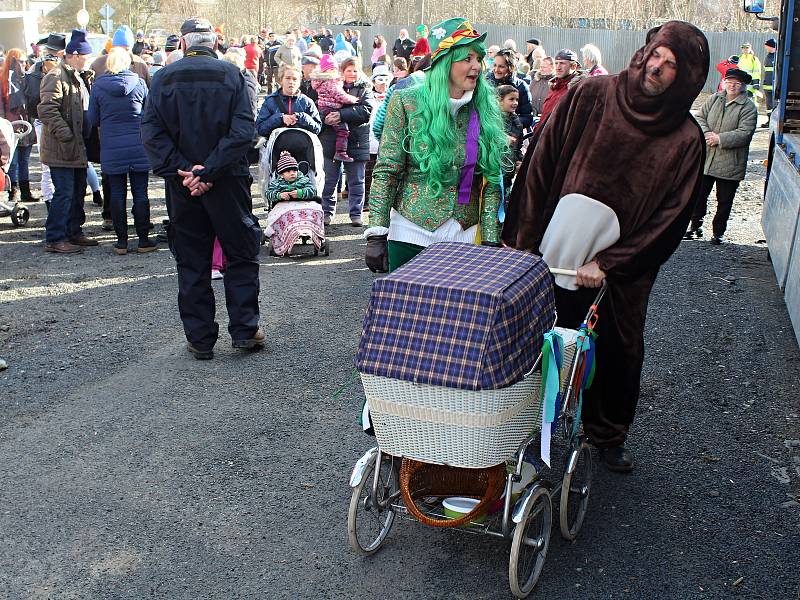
(530, 543)
(370, 517)
(20, 215)
(575, 489)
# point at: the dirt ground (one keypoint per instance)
(129, 470)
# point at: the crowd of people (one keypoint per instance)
(441, 139)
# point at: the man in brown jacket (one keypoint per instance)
(65, 98)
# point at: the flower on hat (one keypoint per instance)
(453, 32)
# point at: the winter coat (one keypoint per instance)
(380, 118)
(269, 53)
(378, 53)
(61, 113)
(735, 122)
(524, 110)
(16, 96)
(357, 118)
(115, 106)
(303, 185)
(329, 86)
(540, 87)
(513, 127)
(558, 89)
(199, 113)
(288, 56)
(342, 45)
(597, 70)
(403, 48)
(270, 117)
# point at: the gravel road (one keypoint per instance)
(129, 470)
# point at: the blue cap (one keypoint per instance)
(77, 43)
(123, 36)
(771, 43)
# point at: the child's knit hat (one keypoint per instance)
(286, 162)
(328, 63)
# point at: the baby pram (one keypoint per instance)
(10, 134)
(291, 221)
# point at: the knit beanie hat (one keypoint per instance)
(328, 63)
(77, 43)
(286, 162)
(123, 36)
(421, 48)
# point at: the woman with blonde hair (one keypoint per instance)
(115, 106)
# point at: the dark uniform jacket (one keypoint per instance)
(199, 113)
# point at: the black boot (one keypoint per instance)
(97, 198)
(617, 458)
(12, 193)
(25, 192)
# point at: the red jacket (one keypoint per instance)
(723, 67)
(558, 88)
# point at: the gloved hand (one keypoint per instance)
(377, 254)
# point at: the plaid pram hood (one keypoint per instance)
(458, 315)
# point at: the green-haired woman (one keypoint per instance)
(441, 158)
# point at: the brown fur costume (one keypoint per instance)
(643, 157)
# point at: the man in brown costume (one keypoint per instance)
(629, 143)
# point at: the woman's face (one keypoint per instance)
(509, 102)
(350, 74)
(501, 68)
(546, 68)
(464, 74)
(290, 83)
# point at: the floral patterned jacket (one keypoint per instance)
(398, 183)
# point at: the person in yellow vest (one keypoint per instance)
(768, 80)
(749, 63)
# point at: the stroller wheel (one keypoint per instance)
(20, 215)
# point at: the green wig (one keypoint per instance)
(433, 129)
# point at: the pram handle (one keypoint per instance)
(25, 125)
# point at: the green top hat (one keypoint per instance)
(453, 32)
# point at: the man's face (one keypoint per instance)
(746, 50)
(263, 33)
(403, 34)
(289, 42)
(271, 37)
(661, 70)
(530, 47)
(500, 69)
(769, 49)
(564, 68)
(78, 62)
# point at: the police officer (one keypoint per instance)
(197, 128)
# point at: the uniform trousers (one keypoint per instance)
(225, 211)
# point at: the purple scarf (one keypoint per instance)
(470, 158)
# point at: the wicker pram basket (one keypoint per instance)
(460, 428)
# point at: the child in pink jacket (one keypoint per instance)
(329, 85)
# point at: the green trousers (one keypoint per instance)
(400, 253)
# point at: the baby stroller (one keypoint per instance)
(10, 134)
(291, 221)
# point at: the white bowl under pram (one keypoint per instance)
(291, 221)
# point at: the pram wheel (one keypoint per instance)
(20, 215)
(530, 543)
(369, 518)
(575, 489)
